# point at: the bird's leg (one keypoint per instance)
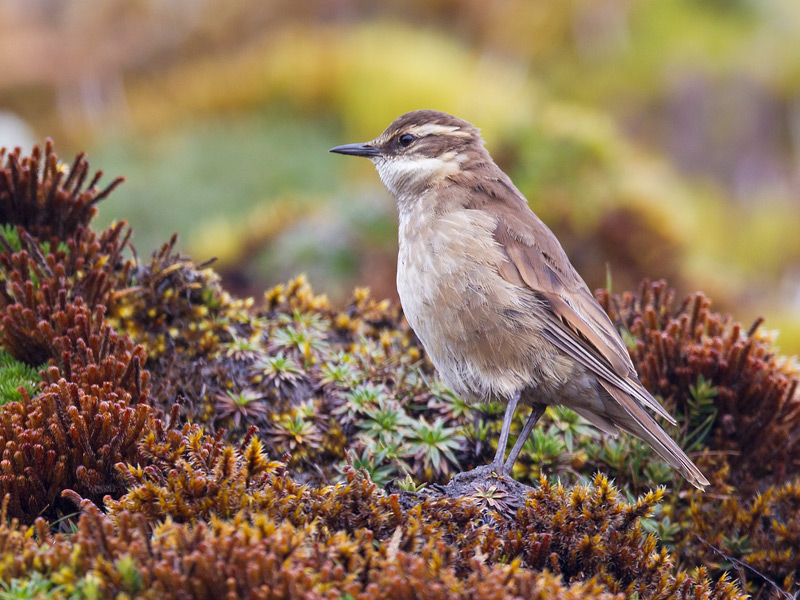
(536, 413)
(496, 466)
(502, 443)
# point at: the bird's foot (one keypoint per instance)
(491, 475)
(490, 471)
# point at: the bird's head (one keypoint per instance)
(420, 150)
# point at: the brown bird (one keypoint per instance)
(491, 294)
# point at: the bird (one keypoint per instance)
(491, 294)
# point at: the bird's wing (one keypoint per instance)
(577, 324)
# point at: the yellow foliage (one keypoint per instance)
(369, 75)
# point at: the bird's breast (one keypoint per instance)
(476, 327)
(444, 263)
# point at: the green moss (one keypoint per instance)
(35, 586)
(15, 374)
(11, 234)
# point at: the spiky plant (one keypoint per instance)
(246, 407)
(432, 446)
(296, 434)
(385, 422)
(359, 400)
(493, 498)
(303, 342)
(338, 373)
(569, 425)
(242, 348)
(279, 372)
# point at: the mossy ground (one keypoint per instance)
(186, 443)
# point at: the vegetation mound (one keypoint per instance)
(162, 439)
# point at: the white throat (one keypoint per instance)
(407, 177)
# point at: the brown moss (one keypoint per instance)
(175, 307)
(260, 558)
(62, 445)
(40, 287)
(353, 539)
(756, 401)
(745, 525)
(46, 198)
(191, 476)
(66, 438)
(93, 407)
(579, 533)
(756, 538)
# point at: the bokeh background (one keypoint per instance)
(657, 138)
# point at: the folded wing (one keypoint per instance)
(578, 325)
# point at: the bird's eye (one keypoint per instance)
(406, 139)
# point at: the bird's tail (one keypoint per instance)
(635, 420)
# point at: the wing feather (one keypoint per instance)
(577, 324)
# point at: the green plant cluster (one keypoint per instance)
(14, 375)
(192, 442)
(318, 382)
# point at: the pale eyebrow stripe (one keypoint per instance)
(436, 129)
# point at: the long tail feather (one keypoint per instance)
(636, 421)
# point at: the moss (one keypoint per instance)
(15, 375)
(156, 380)
(61, 440)
(728, 386)
(737, 404)
(578, 533)
(47, 198)
(354, 539)
(757, 537)
(261, 558)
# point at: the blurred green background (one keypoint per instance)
(657, 138)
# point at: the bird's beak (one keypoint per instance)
(357, 150)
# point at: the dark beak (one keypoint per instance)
(357, 150)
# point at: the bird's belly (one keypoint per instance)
(481, 332)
